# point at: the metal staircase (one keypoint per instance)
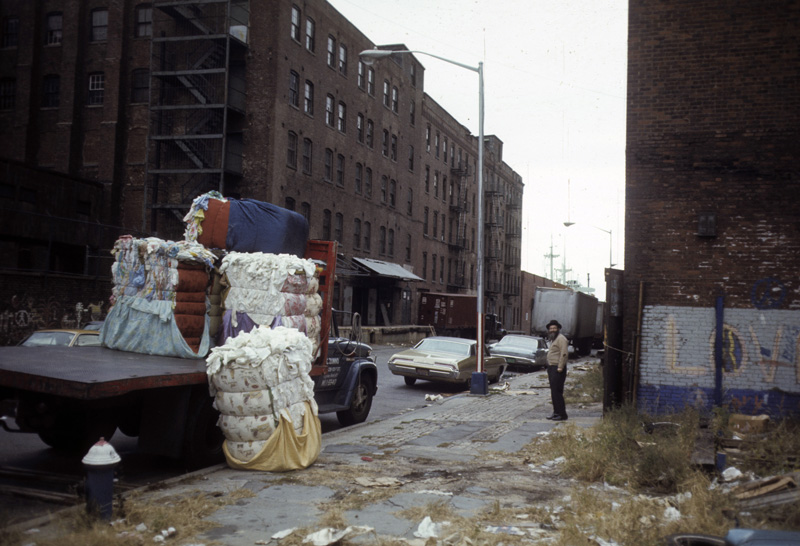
(197, 106)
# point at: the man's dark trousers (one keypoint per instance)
(557, 380)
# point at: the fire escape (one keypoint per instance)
(197, 106)
(513, 261)
(493, 246)
(457, 238)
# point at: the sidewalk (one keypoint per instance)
(459, 455)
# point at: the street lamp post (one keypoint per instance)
(479, 382)
(610, 241)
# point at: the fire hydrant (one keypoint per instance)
(100, 462)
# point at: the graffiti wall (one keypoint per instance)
(55, 303)
(760, 359)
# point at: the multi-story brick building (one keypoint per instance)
(158, 102)
(713, 205)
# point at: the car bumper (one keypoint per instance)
(521, 363)
(430, 374)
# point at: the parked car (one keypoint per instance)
(522, 353)
(64, 338)
(446, 359)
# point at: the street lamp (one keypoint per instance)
(610, 241)
(479, 383)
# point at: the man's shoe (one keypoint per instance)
(552, 416)
(558, 418)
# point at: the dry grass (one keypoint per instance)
(586, 387)
(185, 514)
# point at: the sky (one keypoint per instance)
(554, 93)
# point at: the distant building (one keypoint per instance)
(158, 102)
(713, 207)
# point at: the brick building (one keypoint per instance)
(713, 205)
(158, 102)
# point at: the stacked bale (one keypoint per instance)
(255, 378)
(270, 290)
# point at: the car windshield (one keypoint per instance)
(515, 341)
(38, 339)
(444, 346)
(87, 340)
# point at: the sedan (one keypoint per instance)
(446, 359)
(63, 338)
(522, 353)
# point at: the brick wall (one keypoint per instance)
(712, 128)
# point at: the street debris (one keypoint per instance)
(283, 534)
(433, 397)
(428, 529)
(329, 535)
(378, 482)
(505, 529)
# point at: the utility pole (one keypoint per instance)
(551, 256)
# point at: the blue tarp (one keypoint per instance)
(256, 226)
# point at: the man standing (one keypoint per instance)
(557, 356)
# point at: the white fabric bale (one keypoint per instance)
(313, 305)
(246, 428)
(245, 403)
(292, 392)
(244, 451)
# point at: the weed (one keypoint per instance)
(587, 388)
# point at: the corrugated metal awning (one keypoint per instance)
(387, 269)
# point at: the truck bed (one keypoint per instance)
(90, 373)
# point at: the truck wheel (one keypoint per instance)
(359, 405)
(77, 432)
(202, 443)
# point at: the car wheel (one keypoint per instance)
(410, 380)
(359, 405)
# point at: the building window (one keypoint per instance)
(386, 99)
(99, 25)
(308, 98)
(52, 32)
(288, 203)
(368, 183)
(412, 113)
(357, 233)
(342, 118)
(443, 224)
(393, 148)
(385, 144)
(295, 30)
(362, 79)
(392, 193)
(395, 100)
(413, 70)
(360, 128)
(144, 21)
(408, 248)
(331, 51)
(436, 224)
(308, 155)
(291, 151)
(436, 184)
(410, 158)
(427, 179)
(51, 91)
(343, 59)
(11, 32)
(326, 225)
(340, 170)
(338, 227)
(425, 221)
(359, 176)
(436, 145)
(444, 150)
(305, 210)
(140, 85)
(294, 89)
(370, 133)
(310, 34)
(390, 243)
(410, 202)
(384, 188)
(441, 269)
(328, 174)
(97, 85)
(382, 241)
(371, 81)
(367, 236)
(329, 101)
(8, 93)
(433, 268)
(425, 265)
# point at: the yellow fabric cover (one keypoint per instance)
(285, 449)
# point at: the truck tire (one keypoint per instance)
(359, 405)
(410, 380)
(77, 432)
(202, 442)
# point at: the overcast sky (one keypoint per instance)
(554, 74)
